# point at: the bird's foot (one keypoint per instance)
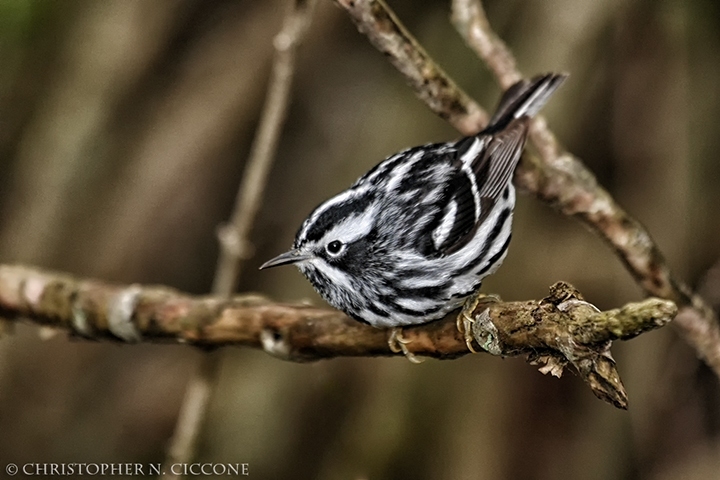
(464, 325)
(398, 343)
(465, 321)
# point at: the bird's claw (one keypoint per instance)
(398, 343)
(465, 321)
(464, 324)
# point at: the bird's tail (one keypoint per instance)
(524, 99)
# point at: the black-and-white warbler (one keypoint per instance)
(414, 237)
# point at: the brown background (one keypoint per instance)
(124, 127)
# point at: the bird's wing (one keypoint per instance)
(485, 167)
(494, 168)
(456, 213)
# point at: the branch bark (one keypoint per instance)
(555, 176)
(560, 329)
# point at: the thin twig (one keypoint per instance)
(429, 81)
(559, 329)
(234, 237)
(709, 285)
(472, 23)
(235, 246)
(555, 177)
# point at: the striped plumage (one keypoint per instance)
(415, 236)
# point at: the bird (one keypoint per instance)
(412, 239)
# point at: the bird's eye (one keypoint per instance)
(334, 247)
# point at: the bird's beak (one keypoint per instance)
(293, 256)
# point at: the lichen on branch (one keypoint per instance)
(562, 329)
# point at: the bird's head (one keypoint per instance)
(335, 246)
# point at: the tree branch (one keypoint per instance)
(556, 177)
(431, 84)
(559, 329)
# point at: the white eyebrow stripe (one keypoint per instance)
(353, 227)
(342, 197)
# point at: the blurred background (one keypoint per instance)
(124, 129)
